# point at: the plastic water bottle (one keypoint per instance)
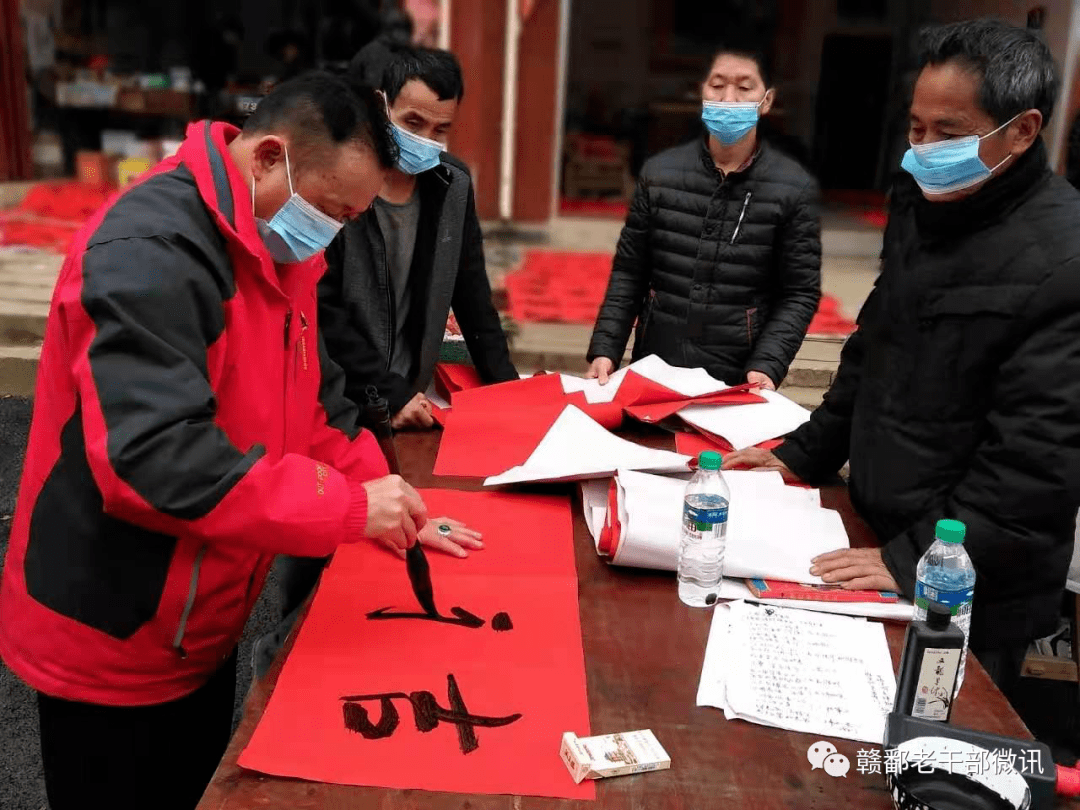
(704, 532)
(945, 575)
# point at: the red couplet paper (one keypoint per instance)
(475, 702)
(491, 429)
(453, 377)
(514, 394)
(649, 401)
(693, 444)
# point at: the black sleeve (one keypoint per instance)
(628, 284)
(797, 288)
(148, 362)
(361, 362)
(818, 449)
(1019, 495)
(476, 315)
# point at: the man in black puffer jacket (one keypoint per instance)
(720, 258)
(959, 395)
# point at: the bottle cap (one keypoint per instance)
(938, 616)
(950, 531)
(710, 460)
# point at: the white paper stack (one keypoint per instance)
(747, 425)
(773, 530)
(831, 676)
(577, 447)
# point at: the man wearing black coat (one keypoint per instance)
(394, 273)
(719, 262)
(959, 395)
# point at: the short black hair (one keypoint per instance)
(388, 66)
(746, 51)
(319, 109)
(1015, 67)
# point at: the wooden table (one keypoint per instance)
(643, 654)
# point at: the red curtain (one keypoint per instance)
(14, 116)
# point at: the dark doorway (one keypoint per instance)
(851, 106)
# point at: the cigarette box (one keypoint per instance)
(613, 754)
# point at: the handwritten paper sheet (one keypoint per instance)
(797, 670)
(474, 699)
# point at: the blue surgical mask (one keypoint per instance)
(298, 230)
(416, 154)
(943, 167)
(730, 121)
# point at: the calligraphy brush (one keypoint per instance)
(377, 417)
(420, 576)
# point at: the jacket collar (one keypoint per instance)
(712, 168)
(227, 195)
(999, 197)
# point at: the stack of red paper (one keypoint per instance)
(490, 429)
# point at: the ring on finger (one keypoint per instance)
(444, 529)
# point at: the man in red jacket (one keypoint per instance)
(187, 428)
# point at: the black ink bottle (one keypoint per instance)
(928, 666)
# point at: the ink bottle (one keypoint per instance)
(929, 666)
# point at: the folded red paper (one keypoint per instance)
(611, 534)
(693, 444)
(649, 401)
(491, 429)
(473, 700)
(513, 394)
(453, 377)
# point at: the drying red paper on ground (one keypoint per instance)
(51, 213)
(569, 287)
(829, 320)
(504, 691)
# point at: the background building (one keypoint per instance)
(565, 98)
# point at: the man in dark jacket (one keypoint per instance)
(393, 275)
(720, 258)
(188, 426)
(959, 395)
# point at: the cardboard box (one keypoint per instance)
(613, 754)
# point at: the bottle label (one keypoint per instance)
(955, 601)
(937, 680)
(704, 519)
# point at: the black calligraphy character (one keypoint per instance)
(356, 719)
(427, 713)
(500, 622)
(462, 617)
